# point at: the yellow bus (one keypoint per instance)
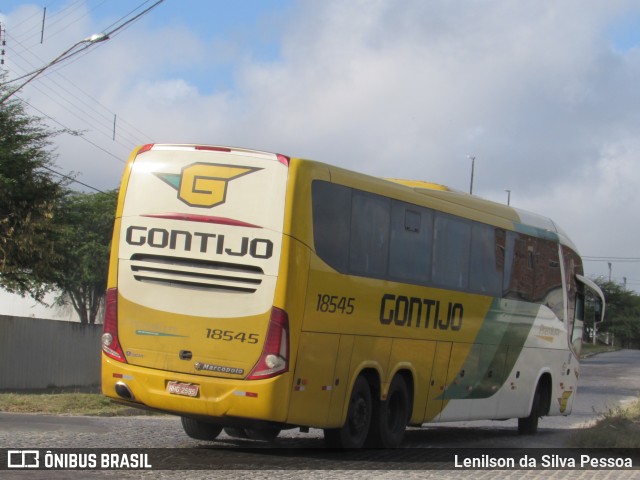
(254, 292)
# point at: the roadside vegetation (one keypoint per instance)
(64, 403)
(618, 428)
(588, 349)
(52, 239)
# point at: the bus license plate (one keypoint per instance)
(186, 389)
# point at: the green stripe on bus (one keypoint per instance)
(495, 350)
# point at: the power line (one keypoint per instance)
(58, 16)
(76, 181)
(102, 121)
(67, 25)
(611, 259)
(90, 118)
(81, 136)
(71, 53)
(107, 119)
(68, 53)
(131, 12)
(35, 15)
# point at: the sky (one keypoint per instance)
(543, 93)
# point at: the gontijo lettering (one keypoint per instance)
(420, 312)
(184, 240)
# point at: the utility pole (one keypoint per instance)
(473, 164)
(3, 43)
(44, 16)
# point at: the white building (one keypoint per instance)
(17, 306)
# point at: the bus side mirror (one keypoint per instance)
(598, 297)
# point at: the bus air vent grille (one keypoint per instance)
(189, 272)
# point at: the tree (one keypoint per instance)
(84, 225)
(28, 194)
(622, 314)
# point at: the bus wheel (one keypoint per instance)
(266, 434)
(236, 432)
(529, 425)
(356, 428)
(391, 416)
(200, 430)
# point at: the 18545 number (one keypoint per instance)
(334, 303)
(230, 336)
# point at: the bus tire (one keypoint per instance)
(529, 425)
(355, 430)
(390, 417)
(266, 434)
(200, 430)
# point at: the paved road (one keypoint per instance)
(607, 381)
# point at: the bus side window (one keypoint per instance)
(519, 284)
(547, 277)
(332, 223)
(485, 272)
(451, 251)
(509, 257)
(410, 243)
(369, 245)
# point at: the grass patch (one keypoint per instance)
(65, 403)
(590, 349)
(618, 428)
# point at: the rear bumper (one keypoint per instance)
(265, 400)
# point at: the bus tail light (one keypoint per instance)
(110, 344)
(145, 148)
(275, 353)
(283, 159)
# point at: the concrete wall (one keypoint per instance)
(36, 353)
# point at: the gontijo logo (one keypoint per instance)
(204, 184)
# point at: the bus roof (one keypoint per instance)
(420, 184)
(523, 220)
